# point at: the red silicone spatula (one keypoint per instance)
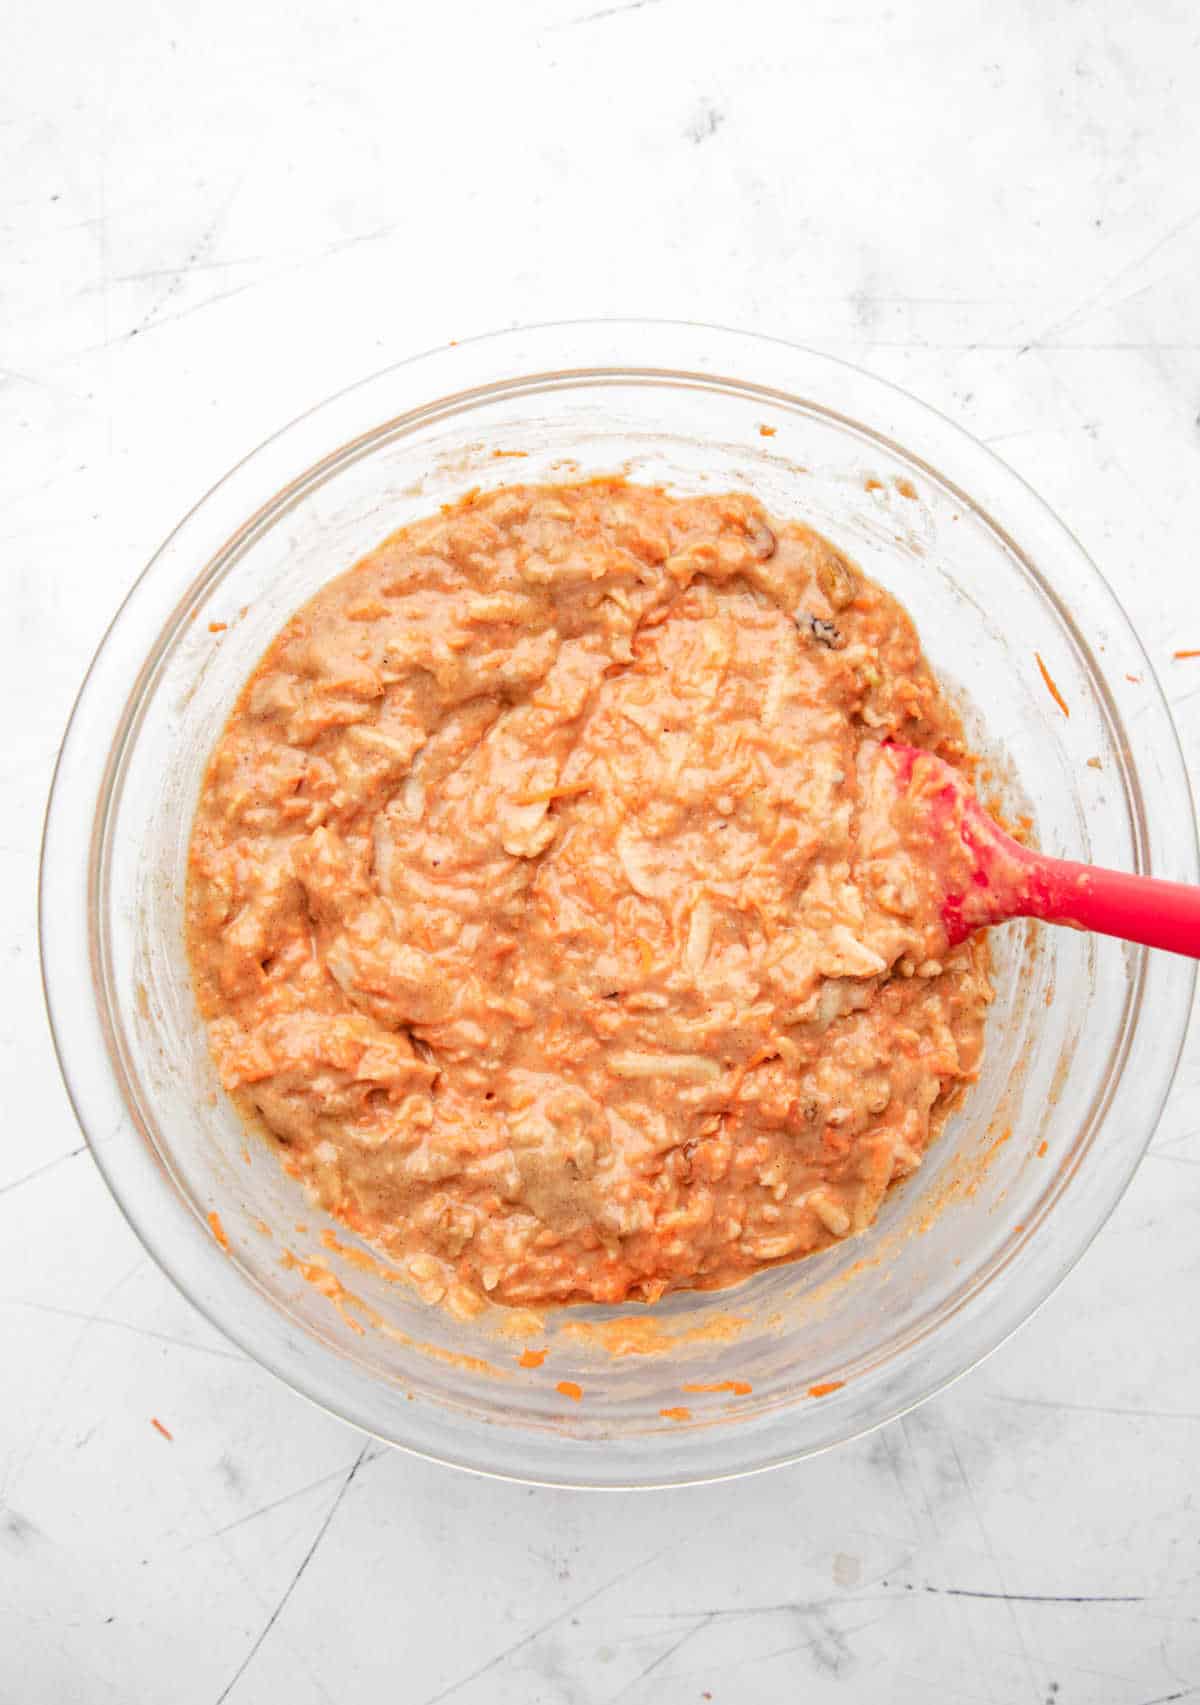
(985, 877)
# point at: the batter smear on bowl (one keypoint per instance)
(548, 908)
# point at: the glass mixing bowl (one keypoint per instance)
(1083, 1037)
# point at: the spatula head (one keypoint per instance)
(974, 872)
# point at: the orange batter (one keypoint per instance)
(545, 913)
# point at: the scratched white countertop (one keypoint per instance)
(212, 217)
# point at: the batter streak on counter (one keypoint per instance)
(544, 911)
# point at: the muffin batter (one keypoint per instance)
(548, 910)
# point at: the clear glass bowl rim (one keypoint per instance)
(615, 350)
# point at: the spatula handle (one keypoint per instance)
(1136, 908)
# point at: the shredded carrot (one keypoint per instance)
(545, 795)
(826, 1387)
(906, 488)
(498, 455)
(599, 897)
(1195, 653)
(740, 1387)
(676, 1414)
(767, 432)
(1051, 685)
(568, 1388)
(218, 1230)
(217, 627)
(1041, 1149)
(531, 1358)
(758, 1058)
(1136, 679)
(747, 904)
(159, 1428)
(873, 484)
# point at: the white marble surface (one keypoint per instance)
(211, 217)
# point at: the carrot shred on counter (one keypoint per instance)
(159, 1428)
(1042, 1148)
(826, 1387)
(1051, 685)
(767, 431)
(676, 1414)
(1194, 653)
(217, 627)
(568, 1388)
(739, 1387)
(218, 1230)
(531, 1358)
